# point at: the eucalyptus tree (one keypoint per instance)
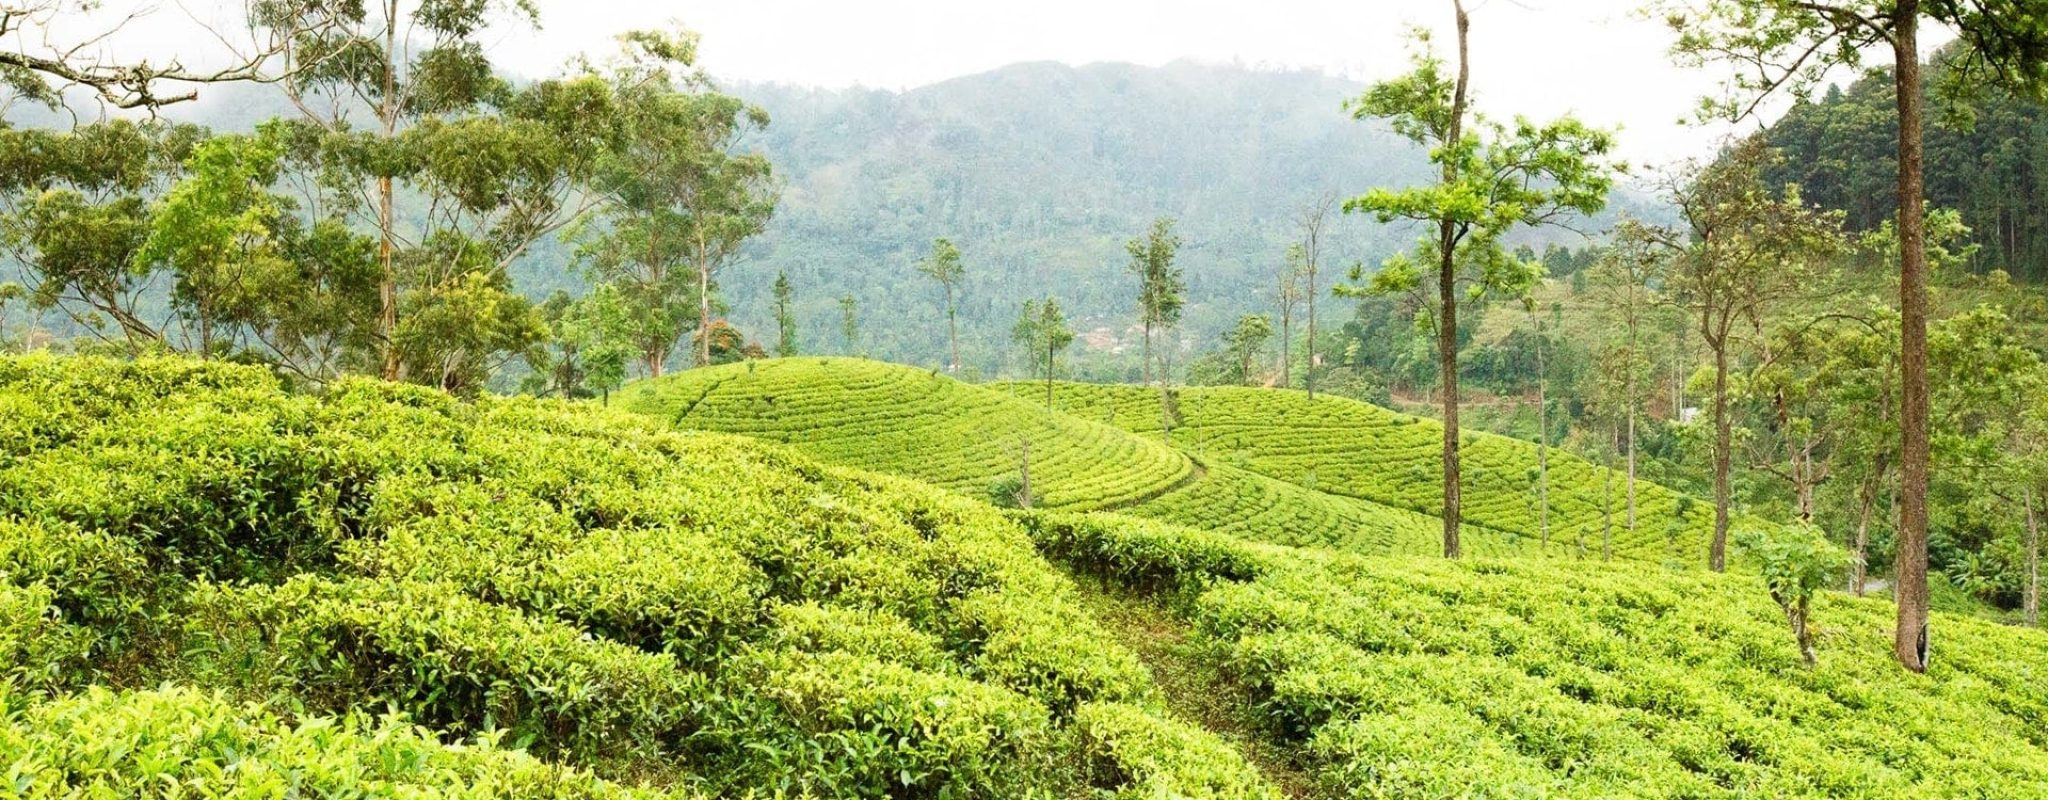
(943, 265)
(785, 316)
(1312, 220)
(1244, 342)
(666, 224)
(849, 324)
(1780, 46)
(1745, 253)
(74, 211)
(1293, 269)
(1625, 298)
(1491, 179)
(1042, 331)
(1162, 291)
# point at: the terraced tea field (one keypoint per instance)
(1362, 451)
(964, 437)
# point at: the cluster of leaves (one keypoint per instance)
(1407, 678)
(694, 611)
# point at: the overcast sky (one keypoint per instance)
(1595, 58)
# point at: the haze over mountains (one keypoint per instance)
(1040, 172)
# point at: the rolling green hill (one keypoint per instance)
(923, 425)
(212, 587)
(1352, 449)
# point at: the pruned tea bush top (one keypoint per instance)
(622, 603)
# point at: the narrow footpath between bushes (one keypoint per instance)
(1193, 688)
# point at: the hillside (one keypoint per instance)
(1344, 447)
(209, 586)
(922, 425)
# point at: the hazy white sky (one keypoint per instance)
(1594, 58)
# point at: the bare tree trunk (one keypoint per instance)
(1909, 641)
(1024, 471)
(1631, 464)
(1717, 553)
(2031, 603)
(1309, 379)
(1145, 356)
(703, 305)
(1606, 500)
(1447, 295)
(1859, 556)
(1286, 342)
(387, 283)
(1542, 446)
(953, 329)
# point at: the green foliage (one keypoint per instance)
(1387, 461)
(1403, 677)
(695, 611)
(184, 743)
(1796, 565)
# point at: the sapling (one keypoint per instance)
(1796, 563)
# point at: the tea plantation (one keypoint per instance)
(210, 587)
(1420, 677)
(921, 425)
(213, 587)
(1345, 447)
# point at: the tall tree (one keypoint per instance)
(1792, 45)
(943, 265)
(1313, 219)
(643, 240)
(785, 316)
(1622, 281)
(1490, 180)
(1043, 332)
(849, 324)
(1162, 290)
(1288, 294)
(1745, 253)
(1244, 343)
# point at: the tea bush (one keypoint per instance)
(913, 423)
(698, 612)
(1361, 451)
(1391, 677)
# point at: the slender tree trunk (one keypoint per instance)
(1447, 296)
(2031, 603)
(1859, 554)
(1542, 448)
(1632, 464)
(1145, 356)
(1048, 373)
(1024, 470)
(703, 305)
(1286, 342)
(387, 283)
(1717, 553)
(953, 328)
(1309, 379)
(1607, 500)
(1910, 589)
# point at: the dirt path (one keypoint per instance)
(1193, 688)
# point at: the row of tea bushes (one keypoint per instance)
(915, 423)
(1341, 446)
(697, 613)
(1420, 677)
